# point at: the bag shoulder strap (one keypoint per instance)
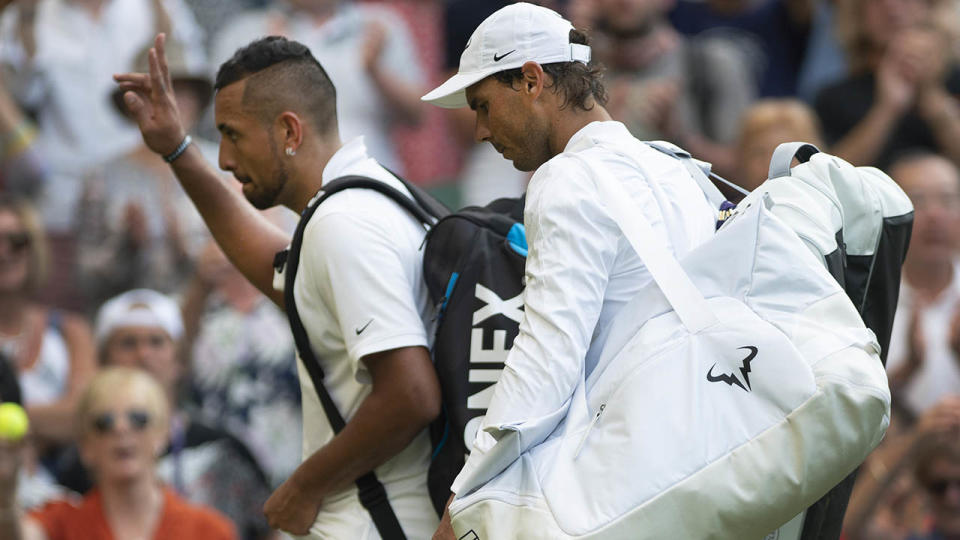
(673, 281)
(700, 172)
(371, 492)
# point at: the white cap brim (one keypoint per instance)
(452, 93)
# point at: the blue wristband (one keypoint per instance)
(169, 158)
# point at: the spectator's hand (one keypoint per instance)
(954, 334)
(657, 103)
(212, 265)
(291, 509)
(135, 224)
(926, 51)
(374, 41)
(917, 345)
(150, 99)
(897, 77)
(10, 460)
(942, 420)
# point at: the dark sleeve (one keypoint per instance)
(832, 107)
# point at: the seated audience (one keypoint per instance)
(51, 350)
(244, 373)
(123, 418)
(138, 229)
(902, 88)
(203, 463)
(665, 86)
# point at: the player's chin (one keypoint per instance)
(257, 198)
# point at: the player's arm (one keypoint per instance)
(246, 236)
(404, 398)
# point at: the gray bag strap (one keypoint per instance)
(699, 170)
(784, 154)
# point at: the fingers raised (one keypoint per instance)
(160, 47)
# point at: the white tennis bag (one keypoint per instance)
(732, 393)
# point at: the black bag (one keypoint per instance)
(473, 265)
(371, 492)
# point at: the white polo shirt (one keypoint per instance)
(580, 271)
(939, 375)
(359, 290)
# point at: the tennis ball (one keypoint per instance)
(13, 422)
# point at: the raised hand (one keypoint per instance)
(150, 99)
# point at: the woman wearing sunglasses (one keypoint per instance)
(52, 351)
(123, 421)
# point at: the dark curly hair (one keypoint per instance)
(576, 81)
(282, 74)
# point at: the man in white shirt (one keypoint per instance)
(526, 73)
(358, 290)
(924, 358)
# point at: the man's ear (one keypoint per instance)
(532, 80)
(289, 128)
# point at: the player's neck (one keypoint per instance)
(567, 125)
(307, 171)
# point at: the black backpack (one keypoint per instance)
(478, 248)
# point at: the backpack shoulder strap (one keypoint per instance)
(371, 492)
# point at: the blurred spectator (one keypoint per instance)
(900, 93)
(143, 329)
(924, 358)
(825, 61)
(58, 57)
(36, 485)
(138, 229)
(123, 418)
(244, 375)
(772, 34)
(764, 126)
(664, 86)
(365, 50)
(21, 165)
(909, 487)
(51, 350)
(938, 473)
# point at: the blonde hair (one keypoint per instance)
(788, 114)
(113, 381)
(39, 255)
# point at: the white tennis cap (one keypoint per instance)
(139, 307)
(512, 36)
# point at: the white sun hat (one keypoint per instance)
(139, 307)
(507, 39)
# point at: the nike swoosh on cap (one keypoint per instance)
(502, 56)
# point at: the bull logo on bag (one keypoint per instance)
(731, 378)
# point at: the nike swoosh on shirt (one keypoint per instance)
(502, 56)
(362, 328)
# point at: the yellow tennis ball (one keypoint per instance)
(13, 422)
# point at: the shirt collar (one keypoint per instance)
(347, 158)
(594, 133)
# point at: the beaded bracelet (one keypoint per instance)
(169, 158)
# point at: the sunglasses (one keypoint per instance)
(18, 241)
(938, 488)
(106, 422)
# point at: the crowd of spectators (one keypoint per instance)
(105, 265)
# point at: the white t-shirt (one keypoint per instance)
(359, 290)
(940, 374)
(580, 272)
(69, 81)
